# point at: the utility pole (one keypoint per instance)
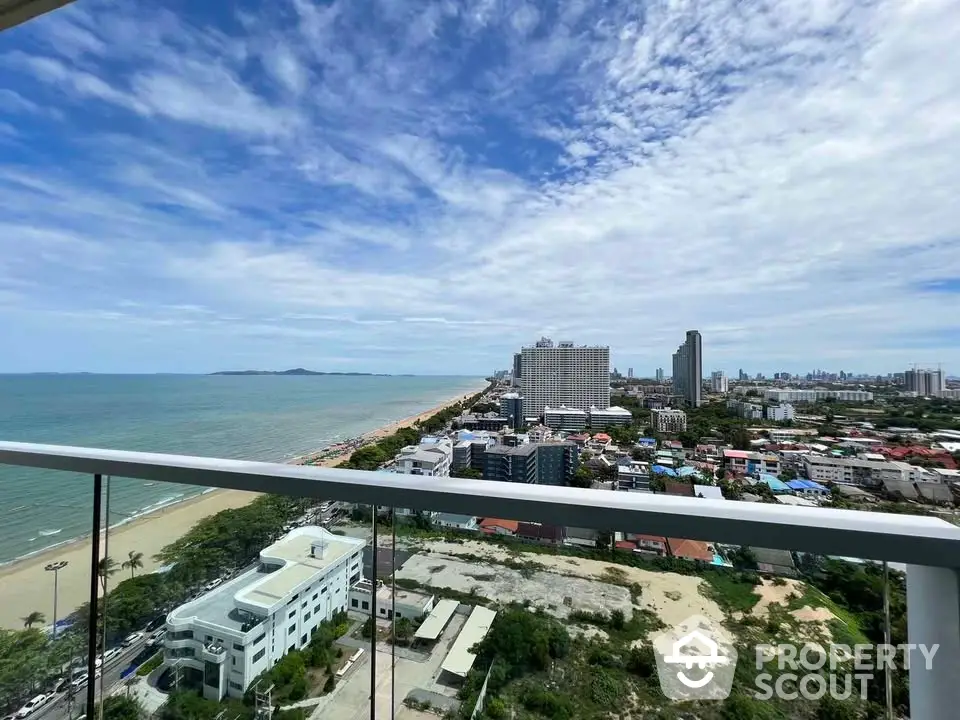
(263, 702)
(55, 568)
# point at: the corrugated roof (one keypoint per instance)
(433, 626)
(459, 660)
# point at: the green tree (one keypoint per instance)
(582, 478)
(120, 707)
(133, 562)
(106, 568)
(830, 708)
(34, 618)
(788, 474)
(403, 630)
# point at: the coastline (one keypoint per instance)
(25, 586)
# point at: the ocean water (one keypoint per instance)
(270, 418)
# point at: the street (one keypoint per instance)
(56, 709)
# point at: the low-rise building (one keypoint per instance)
(794, 396)
(454, 521)
(432, 457)
(633, 476)
(613, 416)
(746, 462)
(745, 409)
(511, 464)
(410, 605)
(498, 526)
(227, 637)
(849, 471)
(564, 418)
(668, 420)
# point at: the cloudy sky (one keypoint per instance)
(425, 186)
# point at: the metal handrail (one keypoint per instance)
(918, 540)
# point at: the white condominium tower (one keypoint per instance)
(688, 369)
(564, 374)
(925, 383)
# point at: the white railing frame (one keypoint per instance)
(929, 546)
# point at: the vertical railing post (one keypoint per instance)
(373, 621)
(93, 615)
(933, 618)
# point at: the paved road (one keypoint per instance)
(57, 708)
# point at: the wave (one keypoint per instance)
(48, 533)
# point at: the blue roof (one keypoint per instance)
(801, 484)
(647, 441)
(773, 482)
(686, 471)
(664, 470)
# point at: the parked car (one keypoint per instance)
(132, 638)
(212, 584)
(158, 636)
(59, 684)
(32, 705)
(79, 680)
(111, 654)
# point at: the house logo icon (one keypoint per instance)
(696, 660)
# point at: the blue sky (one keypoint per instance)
(425, 186)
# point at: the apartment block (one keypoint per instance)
(925, 383)
(432, 457)
(511, 408)
(556, 462)
(667, 420)
(611, 416)
(564, 375)
(795, 396)
(564, 418)
(850, 471)
(780, 413)
(719, 382)
(746, 410)
(230, 635)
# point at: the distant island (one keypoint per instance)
(295, 371)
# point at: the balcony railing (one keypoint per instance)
(929, 547)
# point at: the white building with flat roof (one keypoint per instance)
(228, 636)
(564, 418)
(780, 413)
(432, 457)
(576, 376)
(613, 416)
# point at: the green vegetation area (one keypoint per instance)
(372, 456)
(150, 665)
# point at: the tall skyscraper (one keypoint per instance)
(688, 369)
(925, 383)
(517, 370)
(629, 372)
(565, 374)
(659, 375)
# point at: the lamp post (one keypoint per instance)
(55, 568)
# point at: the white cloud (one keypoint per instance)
(460, 177)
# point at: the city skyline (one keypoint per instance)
(421, 187)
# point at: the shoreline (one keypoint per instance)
(24, 587)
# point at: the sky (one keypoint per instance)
(423, 187)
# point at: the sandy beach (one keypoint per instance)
(25, 586)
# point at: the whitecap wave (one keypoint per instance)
(48, 533)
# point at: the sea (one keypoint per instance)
(266, 417)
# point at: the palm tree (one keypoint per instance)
(134, 561)
(105, 568)
(33, 618)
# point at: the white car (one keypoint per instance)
(32, 705)
(79, 680)
(132, 638)
(111, 654)
(212, 584)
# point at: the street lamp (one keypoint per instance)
(55, 568)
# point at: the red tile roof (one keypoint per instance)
(491, 523)
(690, 549)
(626, 545)
(651, 538)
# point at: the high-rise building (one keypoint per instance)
(925, 383)
(659, 375)
(719, 382)
(688, 369)
(564, 375)
(517, 370)
(629, 372)
(511, 407)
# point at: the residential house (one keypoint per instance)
(497, 526)
(540, 533)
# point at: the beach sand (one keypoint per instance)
(25, 586)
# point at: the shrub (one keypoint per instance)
(298, 690)
(330, 684)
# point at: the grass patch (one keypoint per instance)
(733, 591)
(150, 665)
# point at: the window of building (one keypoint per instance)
(354, 603)
(316, 610)
(209, 638)
(236, 685)
(306, 616)
(292, 614)
(259, 655)
(233, 660)
(292, 629)
(323, 591)
(303, 640)
(238, 647)
(260, 638)
(364, 605)
(315, 596)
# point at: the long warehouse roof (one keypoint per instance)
(459, 660)
(433, 626)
